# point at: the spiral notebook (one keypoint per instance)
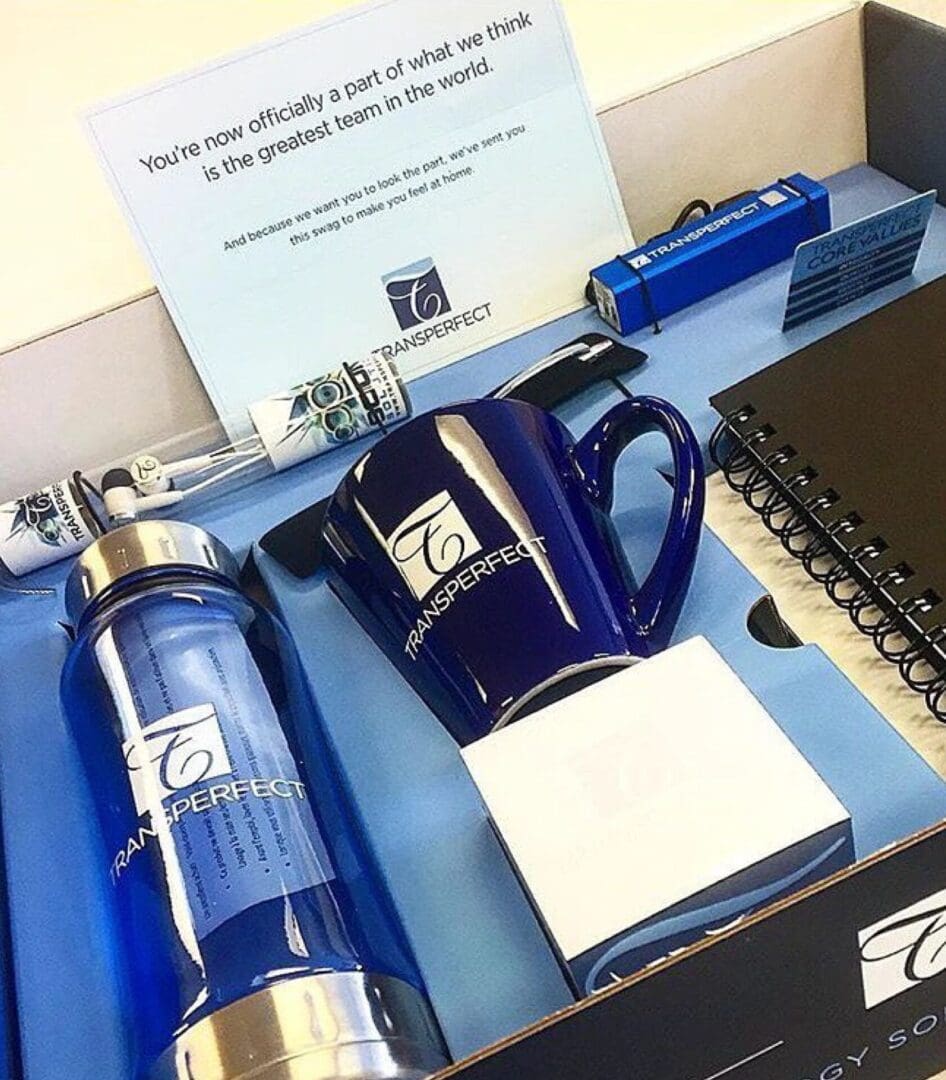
(841, 450)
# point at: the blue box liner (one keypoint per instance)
(486, 962)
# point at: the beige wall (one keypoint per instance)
(794, 105)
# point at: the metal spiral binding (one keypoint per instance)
(889, 627)
(855, 576)
(779, 500)
(841, 574)
(759, 478)
(820, 547)
(867, 597)
(799, 522)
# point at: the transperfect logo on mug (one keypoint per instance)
(179, 750)
(904, 949)
(431, 542)
(416, 293)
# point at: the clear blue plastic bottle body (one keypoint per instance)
(236, 861)
(11, 1064)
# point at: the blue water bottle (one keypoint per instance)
(258, 939)
(11, 1065)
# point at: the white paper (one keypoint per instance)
(273, 266)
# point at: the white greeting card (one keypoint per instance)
(418, 176)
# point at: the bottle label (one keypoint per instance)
(42, 528)
(216, 788)
(363, 396)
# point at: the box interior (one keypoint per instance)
(482, 952)
(488, 966)
(408, 776)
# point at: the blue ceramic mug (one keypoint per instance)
(475, 545)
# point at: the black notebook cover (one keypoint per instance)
(860, 415)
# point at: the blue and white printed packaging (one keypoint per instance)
(744, 236)
(856, 259)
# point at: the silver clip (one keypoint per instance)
(587, 354)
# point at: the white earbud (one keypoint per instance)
(123, 503)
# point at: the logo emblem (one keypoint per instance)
(173, 753)
(37, 514)
(431, 542)
(416, 293)
(903, 950)
(772, 198)
(325, 405)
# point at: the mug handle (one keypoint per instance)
(656, 605)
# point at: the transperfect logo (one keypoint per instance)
(422, 308)
(431, 542)
(37, 514)
(416, 293)
(903, 950)
(46, 515)
(173, 753)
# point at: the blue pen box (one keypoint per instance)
(678, 268)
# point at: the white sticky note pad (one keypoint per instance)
(645, 789)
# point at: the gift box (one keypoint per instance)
(803, 986)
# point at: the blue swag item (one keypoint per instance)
(475, 545)
(242, 890)
(678, 268)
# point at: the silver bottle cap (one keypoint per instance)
(335, 1026)
(142, 546)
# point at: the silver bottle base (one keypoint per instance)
(336, 1026)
